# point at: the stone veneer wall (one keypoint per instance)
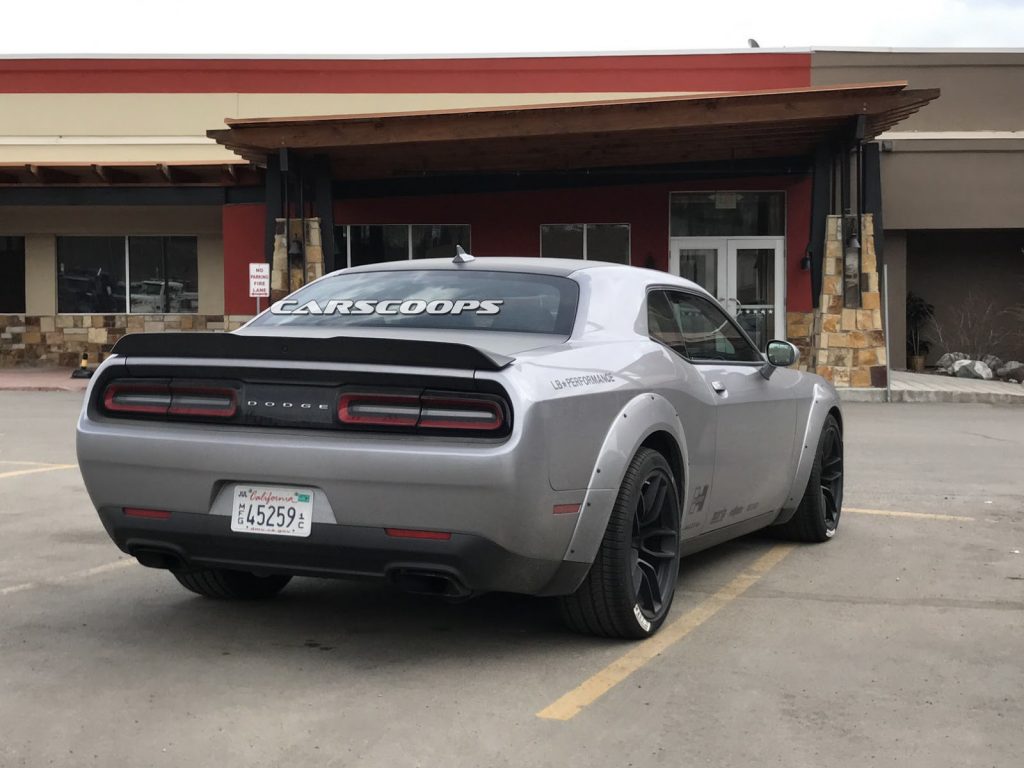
(61, 339)
(848, 345)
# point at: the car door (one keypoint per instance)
(756, 417)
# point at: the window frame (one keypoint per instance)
(729, 319)
(731, 190)
(127, 273)
(626, 224)
(408, 238)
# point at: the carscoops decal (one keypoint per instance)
(586, 380)
(388, 307)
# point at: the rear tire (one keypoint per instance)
(223, 584)
(629, 589)
(817, 517)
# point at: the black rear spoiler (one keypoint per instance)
(338, 349)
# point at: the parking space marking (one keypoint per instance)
(590, 690)
(917, 515)
(34, 470)
(57, 580)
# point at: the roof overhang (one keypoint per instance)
(215, 174)
(583, 135)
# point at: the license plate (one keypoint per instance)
(273, 510)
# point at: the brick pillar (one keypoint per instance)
(849, 344)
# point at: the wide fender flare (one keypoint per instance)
(641, 417)
(824, 401)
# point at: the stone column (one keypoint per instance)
(282, 268)
(849, 344)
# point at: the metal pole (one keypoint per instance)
(888, 357)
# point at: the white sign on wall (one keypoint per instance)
(259, 280)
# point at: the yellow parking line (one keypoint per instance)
(34, 470)
(114, 566)
(918, 515)
(570, 705)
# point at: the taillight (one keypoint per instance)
(170, 399)
(428, 410)
(379, 410)
(460, 413)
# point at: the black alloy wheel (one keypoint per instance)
(655, 551)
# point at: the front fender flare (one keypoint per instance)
(641, 417)
(824, 400)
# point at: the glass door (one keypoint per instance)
(746, 275)
(756, 274)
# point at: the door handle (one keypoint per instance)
(719, 387)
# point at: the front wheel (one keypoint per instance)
(817, 517)
(629, 589)
(223, 584)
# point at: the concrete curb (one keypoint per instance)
(874, 395)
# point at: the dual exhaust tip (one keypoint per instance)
(412, 580)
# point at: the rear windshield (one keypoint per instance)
(480, 301)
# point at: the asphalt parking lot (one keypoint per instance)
(901, 642)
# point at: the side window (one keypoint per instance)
(695, 327)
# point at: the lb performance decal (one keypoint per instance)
(587, 380)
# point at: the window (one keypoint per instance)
(12, 275)
(361, 244)
(696, 328)
(727, 214)
(526, 303)
(162, 274)
(597, 242)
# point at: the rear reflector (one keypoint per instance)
(565, 509)
(152, 514)
(405, 533)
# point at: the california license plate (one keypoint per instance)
(273, 510)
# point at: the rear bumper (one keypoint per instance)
(472, 563)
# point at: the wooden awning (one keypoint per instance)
(581, 135)
(216, 174)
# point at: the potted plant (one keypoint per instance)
(919, 314)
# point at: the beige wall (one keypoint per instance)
(40, 275)
(895, 258)
(144, 127)
(211, 275)
(925, 188)
(980, 90)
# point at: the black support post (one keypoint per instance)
(821, 191)
(272, 198)
(324, 202)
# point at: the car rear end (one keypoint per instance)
(381, 456)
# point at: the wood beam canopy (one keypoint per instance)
(630, 132)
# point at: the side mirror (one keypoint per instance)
(780, 354)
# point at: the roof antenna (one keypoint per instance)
(752, 43)
(461, 257)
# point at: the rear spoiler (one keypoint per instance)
(338, 349)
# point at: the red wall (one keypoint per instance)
(243, 243)
(508, 223)
(530, 74)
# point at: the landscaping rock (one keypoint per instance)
(945, 363)
(1011, 370)
(972, 369)
(992, 362)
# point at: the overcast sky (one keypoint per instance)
(342, 27)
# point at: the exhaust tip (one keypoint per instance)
(157, 558)
(434, 583)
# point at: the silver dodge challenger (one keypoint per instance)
(550, 427)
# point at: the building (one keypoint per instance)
(126, 205)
